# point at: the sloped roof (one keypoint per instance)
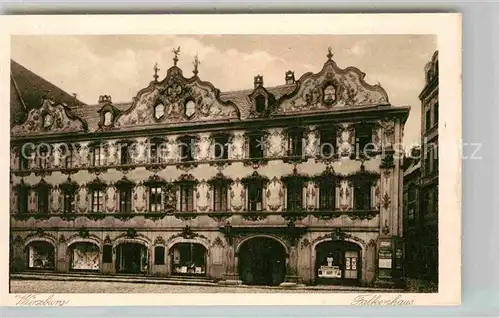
(28, 90)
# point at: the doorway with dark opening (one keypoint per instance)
(262, 261)
(131, 258)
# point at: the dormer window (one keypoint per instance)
(189, 108)
(108, 118)
(159, 111)
(260, 103)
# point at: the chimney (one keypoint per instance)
(258, 81)
(289, 77)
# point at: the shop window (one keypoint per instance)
(107, 254)
(187, 146)
(294, 195)
(186, 197)
(256, 145)
(159, 255)
(221, 147)
(188, 258)
(220, 197)
(155, 193)
(362, 195)
(327, 142)
(41, 255)
(97, 200)
(295, 142)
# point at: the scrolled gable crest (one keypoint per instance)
(50, 118)
(177, 100)
(330, 89)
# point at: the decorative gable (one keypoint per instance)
(332, 88)
(177, 100)
(50, 118)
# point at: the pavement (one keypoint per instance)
(98, 283)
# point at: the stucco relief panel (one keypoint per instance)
(274, 195)
(238, 146)
(275, 143)
(140, 198)
(237, 196)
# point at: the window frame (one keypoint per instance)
(186, 190)
(332, 132)
(97, 200)
(253, 141)
(220, 197)
(254, 200)
(366, 195)
(294, 195)
(159, 260)
(155, 191)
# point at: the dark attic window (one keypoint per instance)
(260, 103)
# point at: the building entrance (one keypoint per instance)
(262, 261)
(131, 258)
(338, 262)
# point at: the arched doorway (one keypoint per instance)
(131, 258)
(40, 255)
(338, 262)
(188, 259)
(84, 256)
(262, 261)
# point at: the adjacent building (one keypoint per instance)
(295, 183)
(421, 185)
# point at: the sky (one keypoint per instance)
(121, 65)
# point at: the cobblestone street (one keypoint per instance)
(52, 286)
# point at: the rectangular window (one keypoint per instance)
(97, 200)
(428, 120)
(435, 159)
(155, 199)
(295, 142)
(326, 195)
(97, 156)
(186, 198)
(107, 254)
(362, 195)
(428, 160)
(436, 113)
(327, 142)
(69, 202)
(255, 196)
(221, 147)
(125, 157)
(364, 139)
(69, 158)
(126, 200)
(220, 198)
(43, 200)
(187, 146)
(256, 146)
(294, 195)
(22, 200)
(159, 255)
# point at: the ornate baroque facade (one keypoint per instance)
(114, 188)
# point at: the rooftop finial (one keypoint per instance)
(330, 54)
(156, 69)
(176, 55)
(196, 63)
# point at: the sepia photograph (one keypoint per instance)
(224, 163)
